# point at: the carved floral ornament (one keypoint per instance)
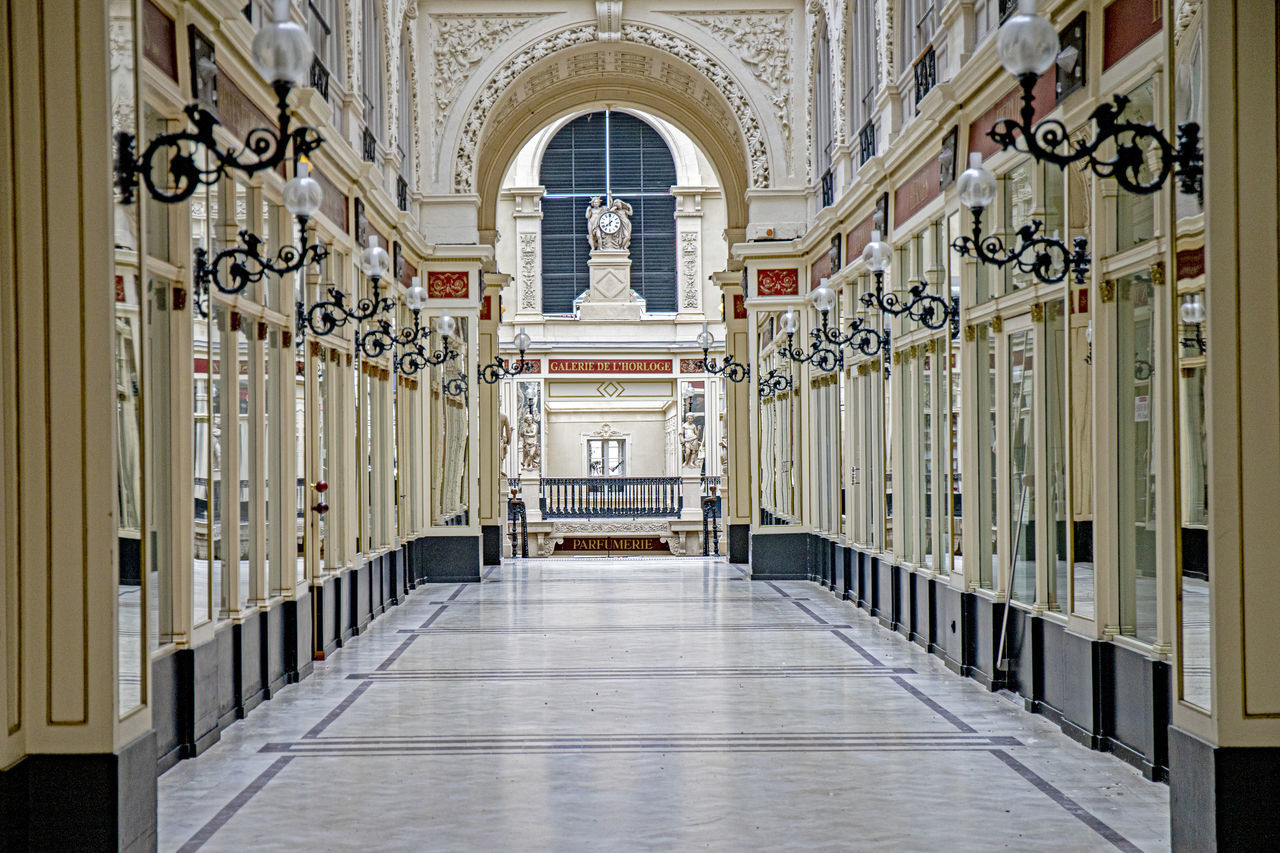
(502, 81)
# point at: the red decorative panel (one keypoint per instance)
(532, 365)
(739, 307)
(916, 191)
(818, 270)
(692, 365)
(778, 282)
(1008, 107)
(333, 201)
(448, 285)
(859, 237)
(486, 308)
(407, 274)
(237, 112)
(1190, 263)
(120, 294)
(158, 40)
(609, 365)
(1125, 25)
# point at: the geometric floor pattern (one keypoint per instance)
(613, 704)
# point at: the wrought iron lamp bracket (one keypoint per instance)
(327, 316)
(774, 382)
(500, 368)
(263, 149)
(1049, 142)
(410, 361)
(1048, 259)
(927, 309)
(734, 371)
(246, 264)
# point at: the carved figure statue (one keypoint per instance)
(530, 447)
(609, 227)
(595, 209)
(690, 441)
(504, 441)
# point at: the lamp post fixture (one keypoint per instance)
(282, 54)
(324, 318)
(927, 309)
(1027, 45)
(774, 382)
(734, 371)
(1192, 315)
(1046, 258)
(826, 350)
(413, 356)
(246, 264)
(499, 369)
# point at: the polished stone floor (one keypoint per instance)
(646, 704)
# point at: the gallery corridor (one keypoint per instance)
(665, 704)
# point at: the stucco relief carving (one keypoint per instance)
(459, 43)
(485, 103)
(1184, 12)
(618, 526)
(762, 40)
(689, 269)
(528, 271)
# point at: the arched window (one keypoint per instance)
(866, 76)
(823, 137)
(608, 154)
(404, 131)
(371, 64)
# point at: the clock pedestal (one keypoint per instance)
(610, 296)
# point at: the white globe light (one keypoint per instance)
(374, 260)
(977, 184)
(877, 254)
(415, 298)
(446, 326)
(705, 338)
(823, 297)
(789, 321)
(1192, 312)
(522, 340)
(302, 193)
(282, 49)
(1027, 43)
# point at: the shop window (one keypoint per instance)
(1022, 454)
(606, 457)
(1019, 202)
(985, 425)
(1055, 396)
(1137, 401)
(1136, 214)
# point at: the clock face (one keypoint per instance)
(610, 223)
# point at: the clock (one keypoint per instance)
(610, 223)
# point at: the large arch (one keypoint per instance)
(650, 71)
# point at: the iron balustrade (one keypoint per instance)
(866, 142)
(369, 146)
(519, 520)
(926, 74)
(402, 193)
(319, 77)
(828, 188)
(610, 497)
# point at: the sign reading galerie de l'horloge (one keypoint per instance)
(609, 365)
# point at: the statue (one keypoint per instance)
(609, 227)
(504, 441)
(690, 441)
(530, 447)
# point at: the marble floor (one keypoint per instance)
(646, 704)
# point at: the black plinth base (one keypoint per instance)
(1222, 798)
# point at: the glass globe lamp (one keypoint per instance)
(823, 297)
(877, 254)
(522, 340)
(977, 184)
(374, 260)
(302, 193)
(1027, 43)
(282, 49)
(446, 326)
(415, 298)
(705, 339)
(789, 321)
(1192, 311)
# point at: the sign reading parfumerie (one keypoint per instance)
(612, 543)
(609, 365)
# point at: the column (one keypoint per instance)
(1224, 762)
(492, 484)
(737, 419)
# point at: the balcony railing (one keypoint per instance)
(926, 73)
(319, 77)
(866, 142)
(369, 146)
(828, 188)
(1006, 8)
(610, 497)
(402, 193)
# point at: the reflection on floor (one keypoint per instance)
(651, 704)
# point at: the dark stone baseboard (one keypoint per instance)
(1222, 798)
(739, 543)
(82, 801)
(491, 541)
(451, 559)
(780, 556)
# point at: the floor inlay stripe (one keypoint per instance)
(614, 674)
(578, 629)
(229, 810)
